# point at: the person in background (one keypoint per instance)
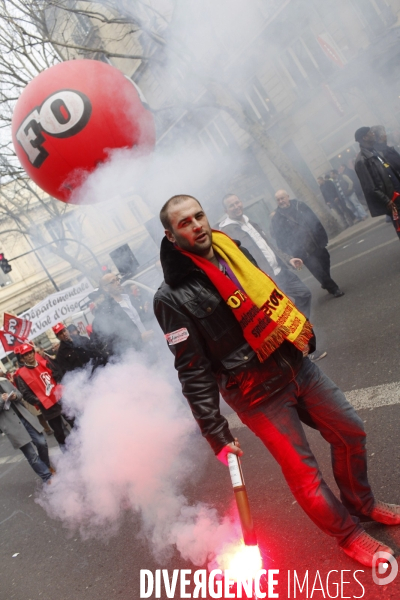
(23, 430)
(389, 153)
(349, 171)
(139, 300)
(379, 180)
(345, 188)
(75, 351)
(34, 410)
(298, 231)
(116, 327)
(268, 258)
(333, 200)
(37, 384)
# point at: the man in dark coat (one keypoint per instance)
(269, 394)
(268, 258)
(114, 332)
(23, 430)
(298, 231)
(75, 353)
(379, 179)
(333, 200)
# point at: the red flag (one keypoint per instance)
(16, 326)
(9, 341)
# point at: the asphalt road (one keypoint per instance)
(360, 333)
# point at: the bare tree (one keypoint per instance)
(35, 34)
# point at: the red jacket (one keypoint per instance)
(41, 382)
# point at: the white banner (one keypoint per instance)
(56, 307)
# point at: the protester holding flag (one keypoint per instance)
(23, 429)
(36, 382)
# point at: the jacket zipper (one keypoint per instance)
(285, 361)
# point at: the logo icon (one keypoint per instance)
(387, 566)
(61, 115)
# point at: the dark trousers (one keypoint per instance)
(38, 458)
(56, 423)
(346, 214)
(319, 265)
(297, 291)
(277, 422)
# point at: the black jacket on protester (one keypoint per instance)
(113, 331)
(236, 232)
(375, 182)
(75, 355)
(297, 230)
(329, 192)
(212, 355)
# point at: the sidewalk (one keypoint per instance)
(354, 230)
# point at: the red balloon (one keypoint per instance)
(68, 119)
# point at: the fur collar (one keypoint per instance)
(176, 266)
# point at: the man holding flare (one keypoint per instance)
(233, 331)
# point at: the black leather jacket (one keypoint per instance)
(375, 182)
(213, 356)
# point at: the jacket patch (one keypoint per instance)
(180, 335)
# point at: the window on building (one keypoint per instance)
(306, 63)
(118, 222)
(217, 137)
(83, 27)
(374, 14)
(259, 100)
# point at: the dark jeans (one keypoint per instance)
(293, 287)
(39, 460)
(346, 214)
(319, 265)
(56, 423)
(315, 399)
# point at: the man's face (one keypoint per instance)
(282, 199)
(320, 181)
(369, 137)
(233, 207)
(190, 228)
(341, 169)
(64, 336)
(29, 358)
(111, 284)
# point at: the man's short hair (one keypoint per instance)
(360, 133)
(335, 171)
(72, 327)
(327, 176)
(229, 195)
(164, 218)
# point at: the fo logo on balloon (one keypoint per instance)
(61, 115)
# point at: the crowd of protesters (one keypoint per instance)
(217, 344)
(31, 397)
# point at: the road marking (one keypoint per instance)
(343, 262)
(372, 397)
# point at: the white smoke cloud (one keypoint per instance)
(133, 448)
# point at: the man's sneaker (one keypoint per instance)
(389, 514)
(338, 293)
(317, 355)
(364, 547)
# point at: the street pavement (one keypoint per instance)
(40, 560)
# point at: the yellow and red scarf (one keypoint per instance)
(265, 313)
